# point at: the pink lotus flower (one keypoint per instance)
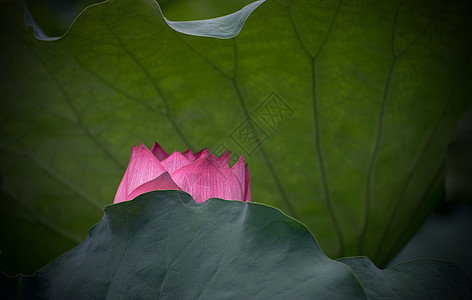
(200, 174)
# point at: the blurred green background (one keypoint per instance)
(447, 232)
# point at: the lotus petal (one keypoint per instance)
(158, 152)
(241, 171)
(189, 154)
(174, 162)
(122, 192)
(247, 188)
(143, 167)
(224, 159)
(205, 178)
(162, 182)
(202, 153)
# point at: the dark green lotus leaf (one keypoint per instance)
(343, 110)
(390, 283)
(164, 245)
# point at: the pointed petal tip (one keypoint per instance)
(225, 154)
(175, 161)
(143, 167)
(240, 160)
(247, 197)
(159, 152)
(142, 147)
(223, 159)
(189, 154)
(239, 163)
(202, 153)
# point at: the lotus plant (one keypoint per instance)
(201, 174)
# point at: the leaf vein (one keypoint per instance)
(378, 136)
(267, 162)
(417, 160)
(316, 126)
(158, 90)
(407, 225)
(79, 123)
(108, 84)
(422, 32)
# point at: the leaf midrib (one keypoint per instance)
(318, 148)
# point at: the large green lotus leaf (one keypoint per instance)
(164, 245)
(343, 111)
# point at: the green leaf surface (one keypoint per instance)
(391, 283)
(164, 245)
(343, 110)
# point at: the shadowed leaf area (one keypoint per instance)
(459, 162)
(165, 245)
(343, 111)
